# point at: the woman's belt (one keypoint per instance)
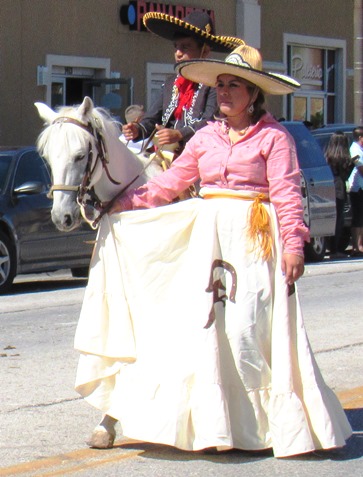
(259, 229)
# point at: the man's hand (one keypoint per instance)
(167, 136)
(130, 131)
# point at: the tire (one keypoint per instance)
(315, 250)
(81, 272)
(7, 263)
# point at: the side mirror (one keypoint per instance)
(30, 188)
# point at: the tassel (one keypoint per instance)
(259, 231)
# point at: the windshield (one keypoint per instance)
(4, 170)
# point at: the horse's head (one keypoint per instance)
(88, 161)
(70, 144)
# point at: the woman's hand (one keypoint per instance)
(292, 267)
(112, 208)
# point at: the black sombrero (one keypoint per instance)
(244, 62)
(197, 24)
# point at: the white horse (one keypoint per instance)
(89, 164)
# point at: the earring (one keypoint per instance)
(251, 109)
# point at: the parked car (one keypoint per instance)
(323, 135)
(29, 241)
(317, 186)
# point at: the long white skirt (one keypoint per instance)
(190, 340)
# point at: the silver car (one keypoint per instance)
(317, 185)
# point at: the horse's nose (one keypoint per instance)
(68, 220)
(64, 222)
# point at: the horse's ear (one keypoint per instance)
(45, 112)
(85, 109)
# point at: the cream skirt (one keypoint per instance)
(190, 340)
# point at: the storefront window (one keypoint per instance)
(315, 69)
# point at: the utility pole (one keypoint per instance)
(358, 62)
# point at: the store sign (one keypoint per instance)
(307, 67)
(133, 13)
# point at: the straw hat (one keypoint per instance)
(197, 24)
(244, 62)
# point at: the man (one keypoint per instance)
(182, 106)
(356, 192)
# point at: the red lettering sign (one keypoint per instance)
(132, 14)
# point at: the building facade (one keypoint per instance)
(58, 51)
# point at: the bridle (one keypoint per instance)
(86, 197)
(101, 157)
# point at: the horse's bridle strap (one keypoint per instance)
(61, 187)
(65, 119)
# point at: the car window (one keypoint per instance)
(308, 150)
(31, 167)
(5, 162)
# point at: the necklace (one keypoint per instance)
(243, 131)
(236, 134)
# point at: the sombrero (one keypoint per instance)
(244, 62)
(197, 24)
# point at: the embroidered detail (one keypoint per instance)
(217, 285)
(188, 116)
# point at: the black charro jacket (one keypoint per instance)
(203, 109)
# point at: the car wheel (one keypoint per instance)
(315, 250)
(7, 263)
(81, 272)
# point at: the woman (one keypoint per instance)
(214, 350)
(338, 157)
(182, 106)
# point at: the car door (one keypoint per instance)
(38, 239)
(317, 182)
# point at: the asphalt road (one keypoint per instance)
(44, 424)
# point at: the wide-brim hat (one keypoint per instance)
(197, 24)
(244, 62)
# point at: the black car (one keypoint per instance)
(29, 241)
(322, 135)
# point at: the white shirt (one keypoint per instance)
(356, 179)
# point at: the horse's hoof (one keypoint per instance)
(101, 438)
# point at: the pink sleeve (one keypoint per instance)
(162, 189)
(283, 175)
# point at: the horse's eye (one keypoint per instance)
(79, 158)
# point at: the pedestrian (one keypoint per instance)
(182, 107)
(213, 351)
(355, 182)
(338, 157)
(134, 113)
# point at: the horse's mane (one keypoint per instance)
(99, 118)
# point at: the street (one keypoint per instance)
(44, 424)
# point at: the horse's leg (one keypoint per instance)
(103, 435)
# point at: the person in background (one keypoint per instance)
(338, 157)
(182, 106)
(355, 182)
(134, 113)
(219, 353)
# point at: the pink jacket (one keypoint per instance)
(264, 160)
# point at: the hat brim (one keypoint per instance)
(167, 27)
(207, 71)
